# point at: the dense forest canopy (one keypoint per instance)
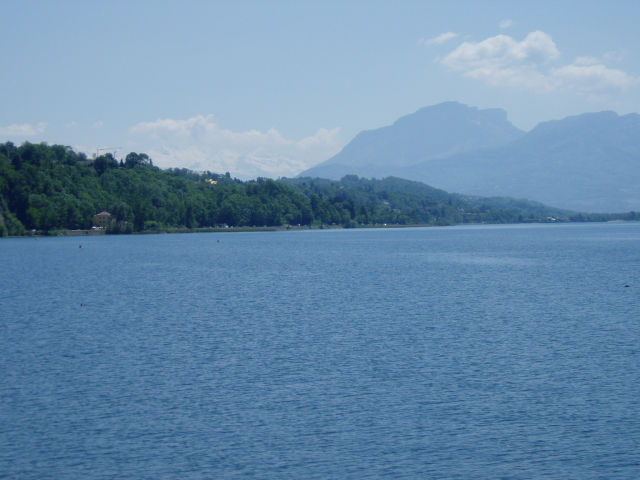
(48, 188)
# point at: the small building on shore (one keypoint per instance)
(102, 219)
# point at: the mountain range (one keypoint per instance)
(588, 162)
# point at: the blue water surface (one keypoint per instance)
(476, 352)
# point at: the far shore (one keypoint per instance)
(98, 232)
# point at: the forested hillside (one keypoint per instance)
(48, 188)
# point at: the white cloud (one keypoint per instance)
(506, 23)
(501, 51)
(501, 60)
(440, 39)
(198, 143)
(23, 130)
(528, 64)
(98, 124)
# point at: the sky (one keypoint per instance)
(270, 88)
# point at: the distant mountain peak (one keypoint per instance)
(451, 109)
(430, 132)
(587, 162)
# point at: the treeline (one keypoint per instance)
(48, 188)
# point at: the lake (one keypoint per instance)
(472, 352)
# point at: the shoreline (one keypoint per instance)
(99, 232)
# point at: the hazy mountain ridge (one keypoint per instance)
(588, 162)
(453, 128)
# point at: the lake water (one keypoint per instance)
(476, 352)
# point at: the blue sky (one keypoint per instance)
(272, 88)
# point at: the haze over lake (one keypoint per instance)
(458, 352)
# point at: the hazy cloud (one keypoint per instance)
(198, 143)
(586, 61)
(440, 39)
(615, 55)
(528, 64)
(23, 130)
(506, 23)
(593, 77)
